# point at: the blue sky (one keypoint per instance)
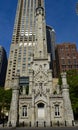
(60, 14)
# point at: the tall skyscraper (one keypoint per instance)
(33, 98)
(23, 40)
(3, 66)
(77, 8)
(51, 40)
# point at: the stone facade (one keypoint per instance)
(42, 105)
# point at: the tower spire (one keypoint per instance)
(41, 48)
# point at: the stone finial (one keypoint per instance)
(16, 81)
(58, 89)
(64, 80)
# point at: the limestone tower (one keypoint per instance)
(40, 106)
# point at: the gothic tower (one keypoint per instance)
(42, 101)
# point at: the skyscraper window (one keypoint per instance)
(39, 3)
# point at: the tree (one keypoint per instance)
(5, 100)
(72, 79)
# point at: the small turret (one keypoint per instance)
(13, 114)
(67, 102)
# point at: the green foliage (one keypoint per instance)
(1, 94)
(60, 80)
(8, 95)
(72, 79)
(5, 98)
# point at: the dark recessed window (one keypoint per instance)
(57, 113)
(39, 2)
(24, 111)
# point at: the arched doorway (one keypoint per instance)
(41, 111)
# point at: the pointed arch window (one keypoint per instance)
(57, 113)
(24, 111)
(41, 111)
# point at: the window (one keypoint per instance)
(66, 47)
(63, 66)
(57, 113)
(24, 111)
(10, 63)
(41, 111)
(69, 62)
(28, 65)
(40, 105)
(18, 71)
(39, 2)
(63, 61)
(45, 65)
(29, 58)
(74, 61)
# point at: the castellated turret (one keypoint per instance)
(67, 103)
(13, 114)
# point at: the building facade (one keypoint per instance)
(3, 66)
(51, 40)
(67, 57)
(33, 97)
(23, 41)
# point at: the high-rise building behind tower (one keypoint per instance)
(51, 40)
(23, 40)
(3, 66)
(67, 57)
